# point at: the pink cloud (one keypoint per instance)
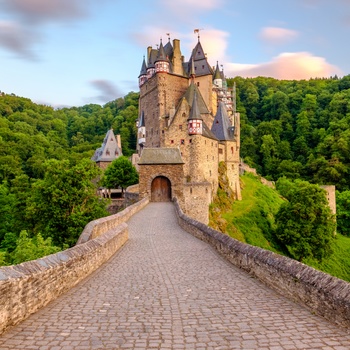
(275, 35)
(290, 66)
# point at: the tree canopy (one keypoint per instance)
(305, 226)
(120, 173)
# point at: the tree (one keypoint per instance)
(64, 201)
(31, 248)
(343, 213)
(305, 225)
(120, 173)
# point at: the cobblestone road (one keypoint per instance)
(167, 290)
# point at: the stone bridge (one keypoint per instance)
(166, 289)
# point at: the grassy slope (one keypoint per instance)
(251, 219)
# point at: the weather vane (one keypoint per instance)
(196, 31)
(168, 34)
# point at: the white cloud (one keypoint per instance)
(276, 35)
(294, 66)
(180, 5)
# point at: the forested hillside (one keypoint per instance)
(46, 192)
(296, 128)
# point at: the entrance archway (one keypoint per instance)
(161, 189)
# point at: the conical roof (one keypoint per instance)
(195, 113)
(143, 67)
(189, 95)
(217, 74)
(222, 128)
(161, 53)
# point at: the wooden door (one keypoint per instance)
(161, 189)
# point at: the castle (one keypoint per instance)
(187, 124)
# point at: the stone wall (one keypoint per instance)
(323, 294)
(27, 287)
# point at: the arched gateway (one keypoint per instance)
(161, 174)
(161, 189)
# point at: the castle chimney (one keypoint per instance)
(177, 58)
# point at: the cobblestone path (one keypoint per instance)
(167, 290)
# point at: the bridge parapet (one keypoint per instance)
(27, 287)
(323, 294)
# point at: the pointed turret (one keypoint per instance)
(143, 73)
(162, 62)
(141, 131)
(195, 121)
(222, 127)
(217, 79)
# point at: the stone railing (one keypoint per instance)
(27, 287)
(325, 295)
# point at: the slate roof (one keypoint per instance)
(142, 120)
(189, 95)
(160, 156)
(194, 112)
(217, 74)
(161, 54)
(109, 149)
(222, 128)
(201, 64)
(143, 67)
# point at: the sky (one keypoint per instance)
(75, 52)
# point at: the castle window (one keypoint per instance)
(203, 66)
(191, 190)
(210, 172)
(107, 152)
(183, 115)
(190, 141)
(182, 141)
(162, 131)
(220, 151)
(198, 83)
(172, 141)
(232, 150)
(180, 127)
(217, 122)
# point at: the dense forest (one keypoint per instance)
(298, 129)
(46, 190)
(293, 129)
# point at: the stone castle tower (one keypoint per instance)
(187, 125)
